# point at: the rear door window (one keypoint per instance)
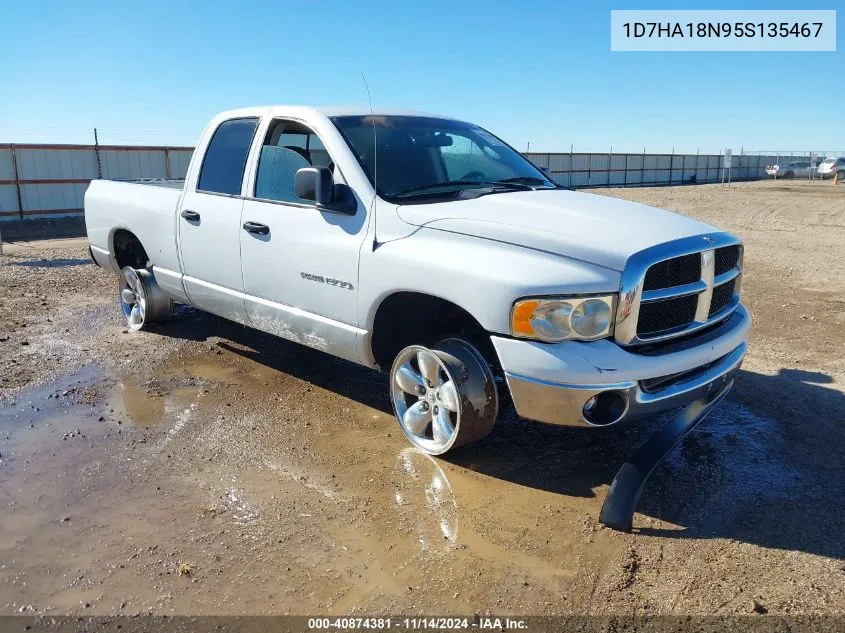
(225, 158)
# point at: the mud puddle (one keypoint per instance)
(243, 482)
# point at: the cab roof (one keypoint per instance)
(327, 111)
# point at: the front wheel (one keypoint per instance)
(789, 175)
(141, 299)
(443, 397)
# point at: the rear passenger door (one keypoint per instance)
(301, 270)
(209, 222)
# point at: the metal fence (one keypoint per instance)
(611, 169)
(49, 181)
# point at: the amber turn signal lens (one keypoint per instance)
(522, 313)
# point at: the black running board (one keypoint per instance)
(617, 511)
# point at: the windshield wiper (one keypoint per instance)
(525, 180)
(516, 186)
(548, 182)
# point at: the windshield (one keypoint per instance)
(426, 157)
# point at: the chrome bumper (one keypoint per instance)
(558, 403)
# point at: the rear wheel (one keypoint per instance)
(443, 397)
(141, 300)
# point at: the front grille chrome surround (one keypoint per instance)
(632, 295)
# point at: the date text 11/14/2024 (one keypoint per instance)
(418, 623)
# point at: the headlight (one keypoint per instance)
(560, 319)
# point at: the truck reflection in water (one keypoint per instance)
(425, 501)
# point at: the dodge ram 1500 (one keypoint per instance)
(428, 247)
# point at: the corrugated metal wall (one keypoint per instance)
(49, 181)
(642, 170)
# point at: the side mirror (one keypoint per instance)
(314, 183)
(317, 184)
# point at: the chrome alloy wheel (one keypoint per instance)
(132, 299)
(141, 300)
(443, 397)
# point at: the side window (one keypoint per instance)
(223, 166)
(288, 147)
(465, 159)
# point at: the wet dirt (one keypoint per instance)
(206, 468)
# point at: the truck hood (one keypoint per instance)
(597, 229)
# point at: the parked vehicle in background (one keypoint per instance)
(795, 169)
(831, 166)
(430, 248)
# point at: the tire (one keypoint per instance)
(443, 397)
(789, 175)
(141, 300)
(841, 174)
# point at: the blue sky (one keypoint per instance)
(538, 72)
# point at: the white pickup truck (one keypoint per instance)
(428, 247)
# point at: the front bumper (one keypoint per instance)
(552, 382)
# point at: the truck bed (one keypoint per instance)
(146, 208)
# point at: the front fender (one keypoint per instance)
(484, 277)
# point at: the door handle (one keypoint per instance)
(191, 216)
(256, 228)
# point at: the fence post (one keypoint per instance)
(671, 165)
(569, 179)
(17, 182)
(642, 170)
(97, 154)
(167, 163)
(697, 165)
(609, 158)
(626, 170)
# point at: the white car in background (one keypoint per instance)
(831, 166)
(799, 169)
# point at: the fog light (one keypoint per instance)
(607, 407)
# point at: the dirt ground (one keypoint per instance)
(203, 468)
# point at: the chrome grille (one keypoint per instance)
(727, 257)
(678, 287)
(659, 316)
(722, 296)
(673, 272)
